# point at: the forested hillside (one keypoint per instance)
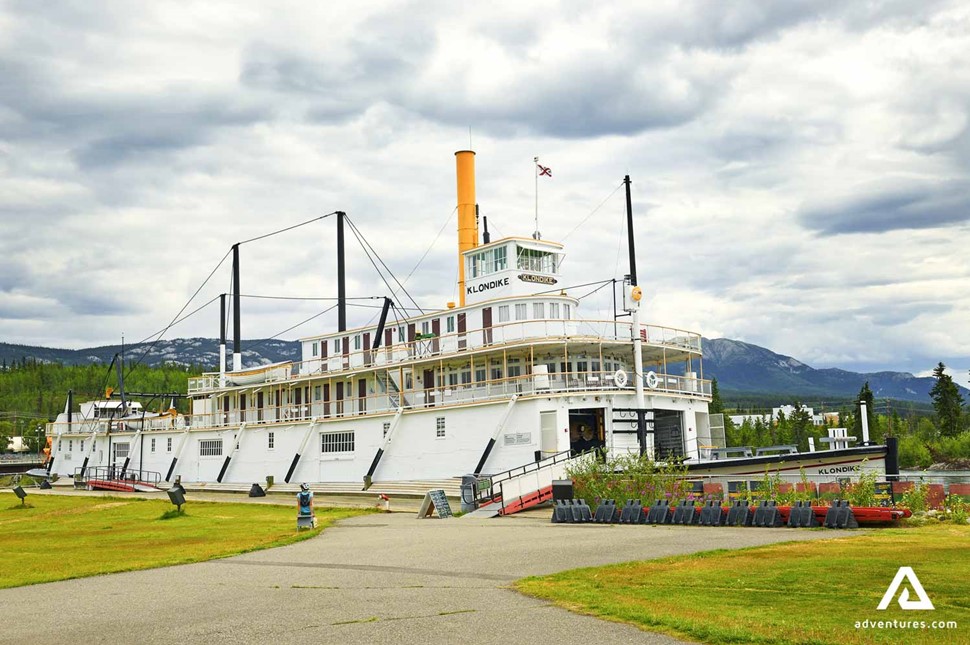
(32, 393)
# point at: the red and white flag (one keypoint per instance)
(544, 171)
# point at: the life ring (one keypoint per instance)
(652, 380)
(619, 377)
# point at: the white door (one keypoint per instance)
(550, 433)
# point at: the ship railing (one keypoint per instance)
(455, 344)
(382, 402)
(526, 478)
(116, 473)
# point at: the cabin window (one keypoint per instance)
(450, 324)
(357, 342)
(425, 327)
(521, 311)
(553, 309)
(503, 313)
(538, 310)
(153, 444)
(496, 371)
(453, 379)
(336, 442)
(168, 444)
(400, 334)
(567, 312)
(515, 369)
(59, 446)
(316, 349)
(70, 445)
(82, 446)
(336, 346)
(480, 375)
(270, 440)
(387, 427)
(317, 392)
(582, 366)
(210, 447)
(538, 261)
(440, 428)
(487, 262)
(466, 377)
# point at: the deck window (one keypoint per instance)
(387, 427)
(210, 447)
(82, 446)
(336, 442)
(521, 311)
(553, 309)
(539, 310)
(357, 342)
(168, 444)
(503, 313)
(270, 440)
(450, 324)
(153, 444)
(316, 349)
(567, 313)
(440, 428)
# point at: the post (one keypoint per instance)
(222, 340)
(236, 326)
(629, 233)
(865, 423)
(341, 275)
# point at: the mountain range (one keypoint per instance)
(740, 368)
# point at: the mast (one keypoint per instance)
(629, 233)
(236, 326)
(341, 275)
(634, 305)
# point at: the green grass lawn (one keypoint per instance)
(60, 537)
(801, 592)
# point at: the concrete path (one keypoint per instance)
(386, 578)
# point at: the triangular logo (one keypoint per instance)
(909, 575)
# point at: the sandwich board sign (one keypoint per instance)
(435, 500)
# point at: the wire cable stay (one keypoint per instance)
(369, 249)
(288, 228)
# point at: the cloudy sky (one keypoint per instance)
(800, 169)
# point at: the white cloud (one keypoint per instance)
(799, 168)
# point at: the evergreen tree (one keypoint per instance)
(865, 394)
(947, 403)
(717, 406)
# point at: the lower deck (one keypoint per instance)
(421, 443)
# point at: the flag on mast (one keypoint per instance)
(544, 171)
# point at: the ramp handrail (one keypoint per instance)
(486, 491)
(113, 473)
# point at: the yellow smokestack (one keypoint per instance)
(467, 222)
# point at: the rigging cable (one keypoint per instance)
(367, 245)
(276, 336)
(288, 228)
(593, 212)
(184, 307)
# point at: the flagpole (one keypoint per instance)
(536, 171)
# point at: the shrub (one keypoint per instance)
(629, 476)
(915, 498)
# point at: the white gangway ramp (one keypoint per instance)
(524, 486)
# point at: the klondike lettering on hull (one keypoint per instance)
(485, 286)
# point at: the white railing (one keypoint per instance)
(411, 398)
(501, 335)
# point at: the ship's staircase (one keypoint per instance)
(523, 487)
(391, 388)
(116, 478)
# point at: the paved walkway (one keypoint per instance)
(386, 578)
